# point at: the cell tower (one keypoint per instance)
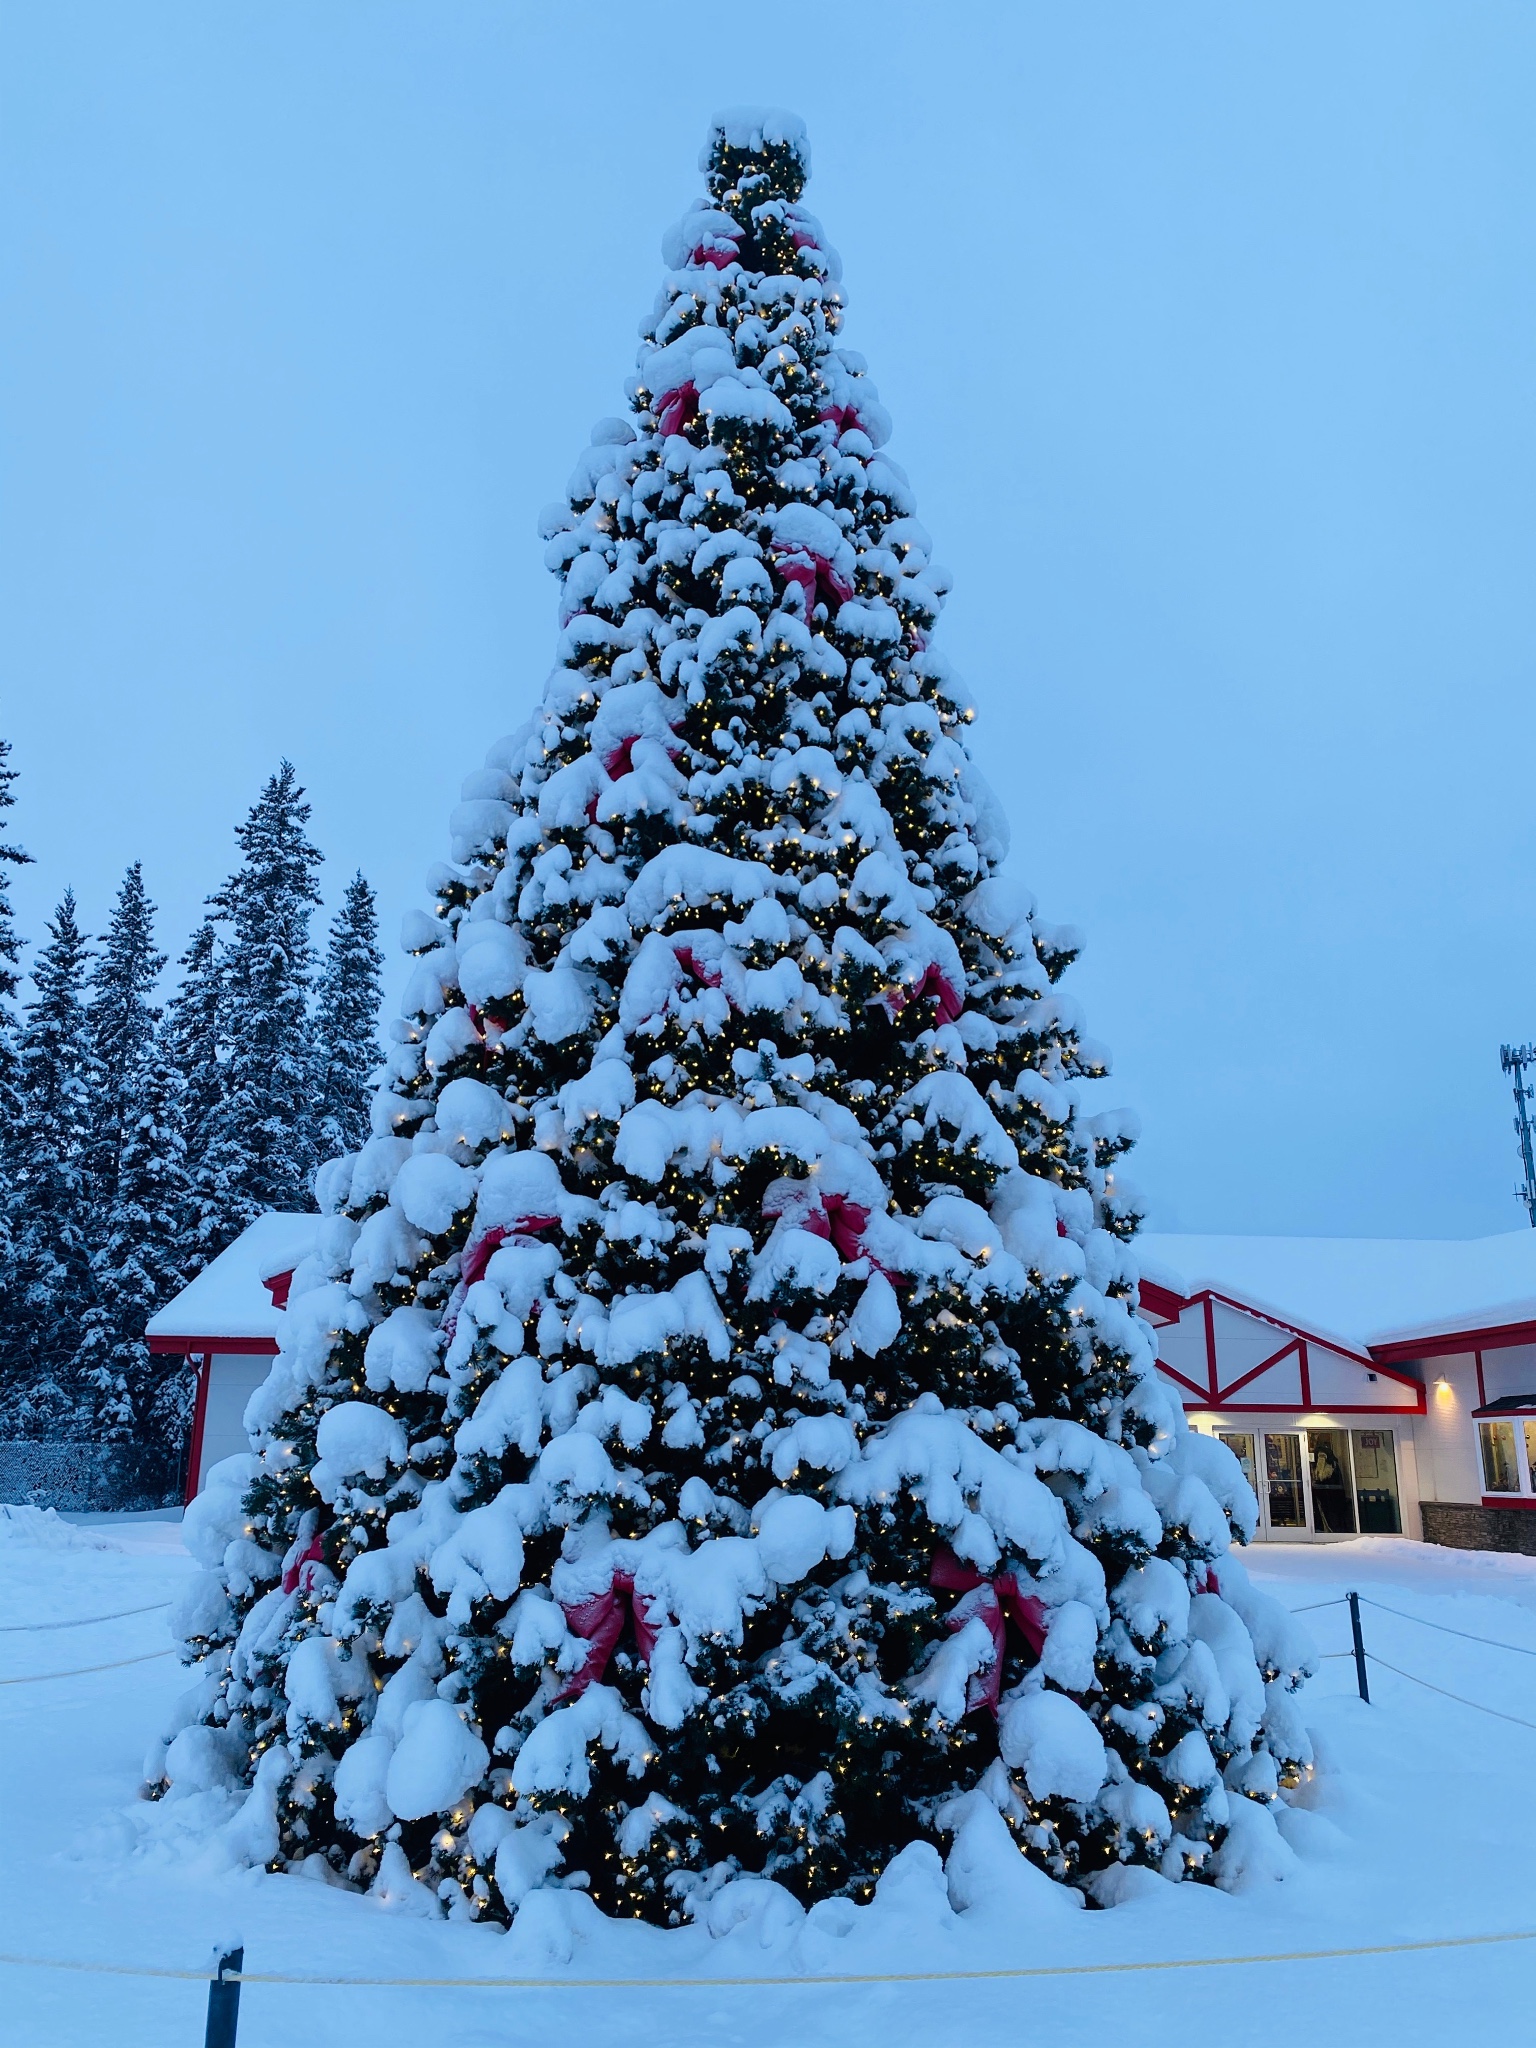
(1514, 1059)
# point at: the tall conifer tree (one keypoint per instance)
(195, 1046)
(715, 1437)
(136, 1259)
(347, 1022)
(121, 1016)
(53, 1225)
(11, 855)
(260, 1142)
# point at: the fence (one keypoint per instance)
(87, 1478)
(1364, 1657)
(229, 1973)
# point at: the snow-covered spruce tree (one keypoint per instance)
(715, 1436)
(193, 1032)
(136, 1260)
(46, 1159)
(11, 855)
(258, 1141)
(346, 1027)
(121, 1016)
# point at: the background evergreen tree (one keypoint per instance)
(193, 1033)
(258, 1143)
(136, 1258)
(347, 1022)
(714, 1435)
(121, 1017)
(53, 1227)
(11, 855)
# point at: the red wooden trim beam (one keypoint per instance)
(1455, 1343)
(240, 1347)
(199, 1418)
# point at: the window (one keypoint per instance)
(1496, 1440)
(1240, 1444)
(1530, 1453)
(1376, 1482)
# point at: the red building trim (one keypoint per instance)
(1508, 1500)
(1455, 1343)
(1162, 1301)
(1169, 1373)
(1295, 1408)
(240, 1347)
(278, 1287)
(199, 1418)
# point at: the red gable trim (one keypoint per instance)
(1162, 1301)
(244, 1347)
(1451, 1343)
(278, 1287)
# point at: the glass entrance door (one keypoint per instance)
(1333, 1494)
(1284, 1501)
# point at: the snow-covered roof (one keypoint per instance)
(1366, 1290)
(228, 1298)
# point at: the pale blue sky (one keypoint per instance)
(1208, 335)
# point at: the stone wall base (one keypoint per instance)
(1463, 1525)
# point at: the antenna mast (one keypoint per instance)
(1514, 1059)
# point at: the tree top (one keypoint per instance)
(756, 154)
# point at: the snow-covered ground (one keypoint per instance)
(1418, 1826)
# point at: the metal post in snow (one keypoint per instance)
(224, 2002)
(1354, 1629)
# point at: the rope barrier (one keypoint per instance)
(1315, 1605)
(1424, 1622)
(11, 1628)
(84, 1670)
(1414, 1679)
(1299, 1955)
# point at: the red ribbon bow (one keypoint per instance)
(997, 1602)
(717, 259)
(816, 577)
(935, 983)
(674, 409)
(299, 1567)
(690, 962)
(477, 1256)
(841, 416)
(843, 1223)
(486, 1028)
(600, 1619)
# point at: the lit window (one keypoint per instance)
(1497, 1443)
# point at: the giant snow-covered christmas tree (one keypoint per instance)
(715, 1436)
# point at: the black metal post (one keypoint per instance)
(1354, 1629)
(224, 2002)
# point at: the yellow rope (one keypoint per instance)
(1299, 1955)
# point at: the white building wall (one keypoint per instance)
(1445, 1436)
(232, 1379)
